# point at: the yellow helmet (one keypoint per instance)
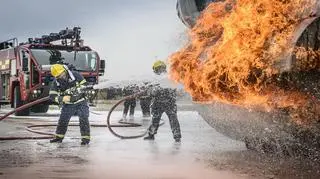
(159, 67)
(57, 69)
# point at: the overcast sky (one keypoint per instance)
(129, 34)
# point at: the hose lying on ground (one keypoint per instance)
(109, 116)
(22, 108)
(114, 107)
(51, 135)
(25, 107)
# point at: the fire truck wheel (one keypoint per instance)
(40, 108)
(18, 103)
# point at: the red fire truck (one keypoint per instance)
(25, 67)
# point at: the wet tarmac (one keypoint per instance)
(203, 153)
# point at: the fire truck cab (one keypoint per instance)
(25, 67)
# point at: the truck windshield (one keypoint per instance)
(85, 60)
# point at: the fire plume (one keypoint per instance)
(233, 51)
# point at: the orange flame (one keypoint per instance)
(233, 51)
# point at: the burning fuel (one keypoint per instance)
(234, 50)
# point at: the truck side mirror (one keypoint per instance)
(102, 66)
(25, 64)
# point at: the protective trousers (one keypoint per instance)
(68, 110)
(129, 104)
(145, 106)
(157, 109)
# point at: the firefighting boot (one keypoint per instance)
(149, 137)
(124, 118)
(56, 140)
(85, 141)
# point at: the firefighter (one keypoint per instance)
(163, 100)
(63, 92)
(145, 102)
(129, 103)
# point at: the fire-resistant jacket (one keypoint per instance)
(60, 88)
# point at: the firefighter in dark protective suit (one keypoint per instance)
(163, 101)
(63, 92)
(145, 102)
(129, 104)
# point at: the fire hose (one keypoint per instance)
(51, 135)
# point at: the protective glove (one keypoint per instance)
(66, 99)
